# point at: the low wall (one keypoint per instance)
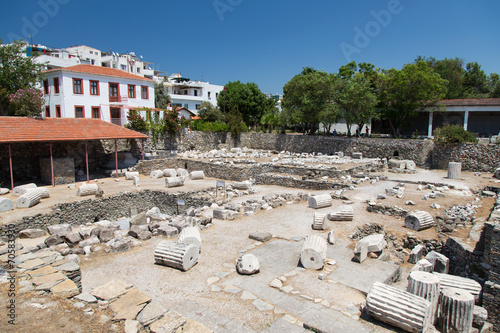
(491, 289)
(473, 156)
(107, 208)
(425, 153)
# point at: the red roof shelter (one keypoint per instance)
(22, 129)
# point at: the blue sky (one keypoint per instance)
(266, 42)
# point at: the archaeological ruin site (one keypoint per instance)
(260, 233)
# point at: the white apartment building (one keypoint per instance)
(82, 54)
(86, 91)
(190, 94)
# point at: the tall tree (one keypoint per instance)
(403, 93)
(451, 70)
(210, 113)
(355, 99)
(306, 96)
(244, 98)
(494, 85)
(16, 72)
(162, 98)
(475, 81)
(271, 116)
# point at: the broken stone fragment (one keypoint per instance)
(248, 264)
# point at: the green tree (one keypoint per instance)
(271, 116)
(244, 98)
(162, 98)
(451, 70)
(494, 85)
(16, 72)
(355, 99)
(306, 96)
(403, 93)
(210, 113)
(475, 81)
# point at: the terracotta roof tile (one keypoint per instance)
(22, 129)
(99, 70)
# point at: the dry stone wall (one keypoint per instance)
(474, 157)
(107, 208)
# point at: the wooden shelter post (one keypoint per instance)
(11, 171)
(52, 166)
(87, 160)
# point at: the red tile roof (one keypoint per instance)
(471, 102)
(98, 70)
(23, 129)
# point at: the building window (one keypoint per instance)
(46, 87)
(216, 95)
(198, 106)
(177, 105)
(47, 111)
(96, 112)
(138, 69)
(209, 95)
(114, 92)
(131, 91)
(196, 92)
(79, 112)
(58, 111)
(116, 117)
(94, 87)
(92, 62)
(144, 92)
(186, 106)
(123, 67)
(56, 85)
(77, 86)
(185, 92)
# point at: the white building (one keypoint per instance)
(86, 91)
(82, 54)
(190, 94)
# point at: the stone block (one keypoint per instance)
(139, 219)
(6, 205)
(440, 263)
(31, 233)
(376, 243)
(248, 264)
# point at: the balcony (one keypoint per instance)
(118, 99)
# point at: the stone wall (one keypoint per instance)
(474, 157)
(491, 289)
(107, 208)
(246, 171)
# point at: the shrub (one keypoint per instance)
(216, 126)
(453, 134)
(27, 102)
(136, 122)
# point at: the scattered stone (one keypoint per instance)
(66, 289)
(86, 297)
(313, 253)
(248, 264)
(398, 314)
(111, 290)
(170, 322)
(276, 283)
(132, 326)
(139, 219)
(419, 220)
(440, 263)
(151, 312)
(177, 255)
(129, 305)
(262, 306)
(260, 236)
(30, 233)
